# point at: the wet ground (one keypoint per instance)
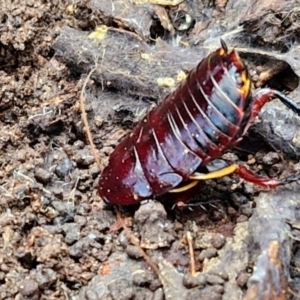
(58, 240)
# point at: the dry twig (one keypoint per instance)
(84, 118)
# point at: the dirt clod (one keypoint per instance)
(158, 231)
(30, 289)
(192, 281)
(209, 240)
(214, 279)
(121, 289)
(42, 175)
(207, 253)
(133, 252)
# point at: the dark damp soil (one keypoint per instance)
(58, 240)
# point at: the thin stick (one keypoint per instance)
(134, 241)
(191, 252)
(94, 151)
(85, 121)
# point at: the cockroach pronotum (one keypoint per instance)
(205, 116)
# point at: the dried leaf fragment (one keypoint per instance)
(166, 82)
(99, 34)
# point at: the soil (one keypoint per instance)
(58, 240)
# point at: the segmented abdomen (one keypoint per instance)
(192, 126)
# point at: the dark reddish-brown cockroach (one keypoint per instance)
(205, 116)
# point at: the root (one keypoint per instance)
(135, 242)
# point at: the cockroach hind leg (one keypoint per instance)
(182, 194)
(264, 95)
(265, 182)
(215, 174)
(184, 188)
(245, 174)
(249, 176)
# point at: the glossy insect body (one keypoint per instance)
(207, 114)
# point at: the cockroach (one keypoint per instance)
(205, 116)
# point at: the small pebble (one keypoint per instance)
(30, 289)
(4, 267)
(64, 168)
(218, 240)
(246, 209)
(79, 248)
(214, 279)
(242, 279)
(133, 252)
(158, 294)
(242, 218)
(215, 290)
(79, 144)
(271, 158)
(58, 192)
(142, 278)
(45, 277)
(2, 276)
(83, 158)
(121, 289)
(220, 272)
(123, 239)
(249, 188)
(72, 233)
(42, 175)
(191, 281)
(207, 253)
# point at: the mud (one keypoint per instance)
(58, 240)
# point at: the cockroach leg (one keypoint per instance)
(240, 170)
(180, 199)
(262, 97)
(185, 187)
(215, 174)
(265, 182)
(249, 176)
(243, 172)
